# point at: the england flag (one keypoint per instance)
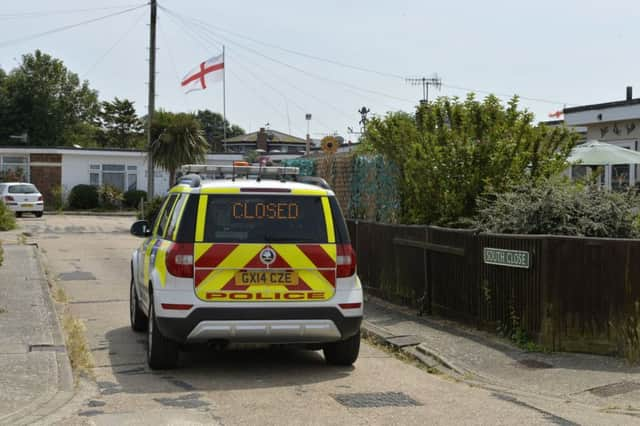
(209, 71)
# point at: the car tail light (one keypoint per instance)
(179, 260)
(8, 198)
(176, 306)
(350, 305)
(40, 198)
(346, 260)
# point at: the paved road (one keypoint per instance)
(90, 258)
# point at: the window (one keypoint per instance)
(164, 217)
(132, 178)
(175, 216)
(117, 175)
(22, 189)
(14, 168)
(619, 176)
(265, 219)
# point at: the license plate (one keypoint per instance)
(27, 205)
(283, 278)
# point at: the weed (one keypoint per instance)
(7, 218)
(627, 331)
(3, 311)
(513, 331)
(77, 347)
(59, 295)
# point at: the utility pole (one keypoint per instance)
(308, 144)
(152, 95)
(425, 82)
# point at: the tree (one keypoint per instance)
(177, 140)
(452, 151)
(211, 123)
(121, 127)
(45, 100)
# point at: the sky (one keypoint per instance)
(551, 53)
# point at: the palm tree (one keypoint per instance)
(177, 140)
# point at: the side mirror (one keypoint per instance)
(141, 228)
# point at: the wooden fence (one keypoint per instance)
(573, 294)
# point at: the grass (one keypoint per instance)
(74, 329)
(7, 218)
(77, 346)
(627, 331)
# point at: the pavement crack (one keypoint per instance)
(548, 416)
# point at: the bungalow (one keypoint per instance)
(67, 167)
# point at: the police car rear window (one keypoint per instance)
(265, 219)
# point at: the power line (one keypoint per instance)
(280, 79)
(199, 38)
(67, 27)
(303, 54)
(9, 16)
(316, 76)
(363, 69)
(118, 41)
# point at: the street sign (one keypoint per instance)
(510, 258)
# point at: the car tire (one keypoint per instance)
(162, 353)
(137, 317)
(38, 214)
(344, 352)
(18, 214)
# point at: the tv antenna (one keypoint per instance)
(425, 82)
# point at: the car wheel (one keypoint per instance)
(344, 352)
(138, 318)
(162, 353)
(38, 214)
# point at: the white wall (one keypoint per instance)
(75, 168)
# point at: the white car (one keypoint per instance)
(22, 197)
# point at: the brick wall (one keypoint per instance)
(46, 177)
(46, 158)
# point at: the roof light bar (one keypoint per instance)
(219, 171)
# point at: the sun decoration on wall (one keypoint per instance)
(329, 145)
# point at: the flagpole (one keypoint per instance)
(224, 100)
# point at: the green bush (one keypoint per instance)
(151, 209)
(7, 218)
(110, 197)
(132, 198)
(83, 197)
(560, 207)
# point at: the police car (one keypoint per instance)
(246, 254)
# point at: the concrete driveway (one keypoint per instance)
(89, 258)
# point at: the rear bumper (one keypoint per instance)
(20, 208)
(261, 325)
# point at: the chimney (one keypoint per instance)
(629, 93)
(261, 140)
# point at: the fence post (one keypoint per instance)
(428, 291)
(548, 324)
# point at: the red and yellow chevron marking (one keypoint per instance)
(300, 272)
